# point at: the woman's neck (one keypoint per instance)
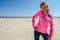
(45, 13)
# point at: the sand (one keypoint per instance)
(21, 29)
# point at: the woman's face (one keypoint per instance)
(45, 8)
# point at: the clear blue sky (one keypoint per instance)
(27, 7)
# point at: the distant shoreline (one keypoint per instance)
(21, 17)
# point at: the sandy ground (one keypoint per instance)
(21, 29)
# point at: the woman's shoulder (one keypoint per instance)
(39, 12)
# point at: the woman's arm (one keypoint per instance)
(51, 27)
(33, 18)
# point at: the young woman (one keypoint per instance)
(45, 19)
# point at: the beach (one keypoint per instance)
(21, 29)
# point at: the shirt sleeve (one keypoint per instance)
(51, 27)
(33, 18)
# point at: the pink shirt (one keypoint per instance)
(43, 22)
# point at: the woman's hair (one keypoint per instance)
(43, 3)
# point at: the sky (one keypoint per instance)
(20, 8)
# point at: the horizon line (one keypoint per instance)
(19, 17)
